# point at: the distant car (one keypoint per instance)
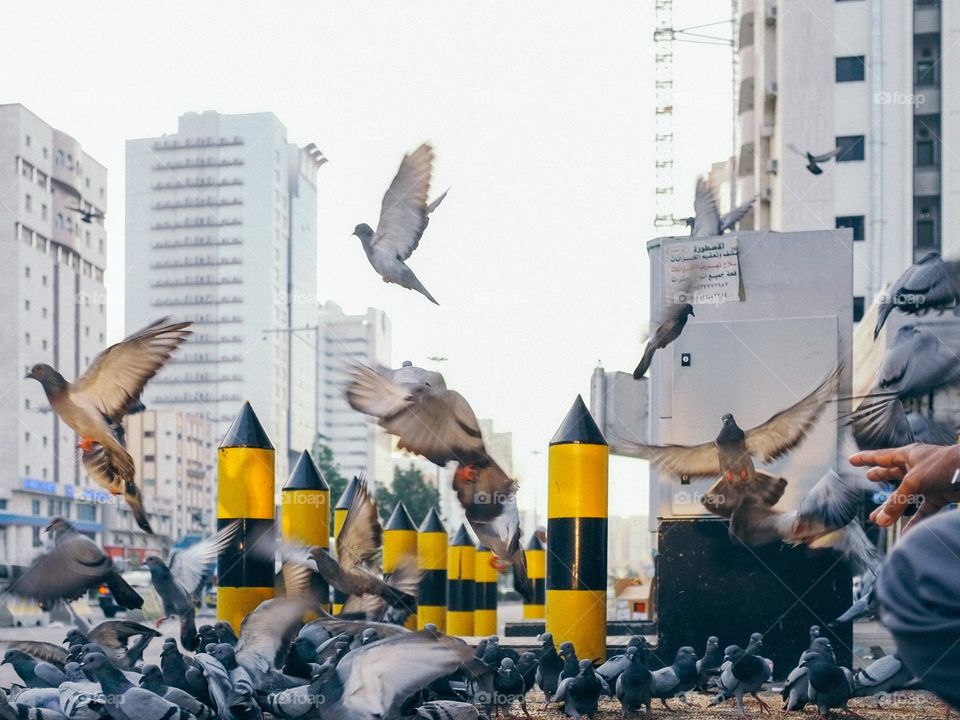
(139, 580)
(210, 596)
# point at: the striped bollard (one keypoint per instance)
(537, 572)
(461, 557)
(305, 514)
(400, 546)
(432, 563)
(485, 577)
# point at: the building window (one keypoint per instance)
(854, 222)
(925, 154)
(34, 506)
(28, 202)
(36, 537)
(925, 234)
(850, 69)
(857, 308)
(926, 72)
(26, 141)
(851, 148)
(148, 458)
(43, 211)
(87, 512)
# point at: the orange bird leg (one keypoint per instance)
(86, 444)
(465, 474)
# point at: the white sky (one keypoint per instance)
(541, 115)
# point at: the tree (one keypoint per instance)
(418, 496)
(323, 456)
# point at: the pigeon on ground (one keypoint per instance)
(359, 541)
(415, 405)
(581, 693)
(447, 710)
(300, 661)
(929, 284)
(668, 331)
(152, 680)
(795, 690)
(678, 678)
(508, 687)
(830, 685)
(707, 221)
(47, 652)
(33, 672)
(123, 700)
(74, 565)
(17, 711)
(404, 216)
(265, 636)
(231, 693)
(94, 405)
(813, 161)
(634, 684)
(550, 667)
(741, 673)
(884, 675)
(611, 669)
(180, 583)
(81, 699)
(571, 664)
(114, 638)
(528, 665)
(708, 666)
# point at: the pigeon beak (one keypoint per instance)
(692, 314)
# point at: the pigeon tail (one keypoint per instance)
(412, 282)
(644, 362)
(398, 598)
(433, 206)
(124, 595)
(188, 630)
(521, 581)
(132, 495)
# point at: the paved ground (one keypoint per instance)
(902, 706)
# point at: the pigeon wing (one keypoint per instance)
(403, 213)
(115, 380)
(65, 571)
(736, 215)
(689, 460)
(827, 155)
(787, 428)
(706, 216)
(189, 566)
(361, 536)
(266, 633)
(115, 634)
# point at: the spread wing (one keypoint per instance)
(787, 428)
(706, 216)
(190, 566)
(115, 380)
(266, 633)
(690, 460)
(403, 213)
(361, 536)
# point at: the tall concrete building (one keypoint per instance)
(221, 230)
(868, 77)
(357, 442)
(52, 310)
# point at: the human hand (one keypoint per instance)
(930, 473)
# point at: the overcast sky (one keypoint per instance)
(541, 115)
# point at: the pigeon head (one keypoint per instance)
(224, 653)
(94, 661)
(364, 232)
(814, 631)
(631, 653)
(369, 635)
(566, 648)
(812, 659)
(13, 656)
(342, 648)
(586, 666)
(57, 526)
(223, 629)
(506, 664)
(546, 638)
(151, 675)
(51, 380)
(687, 310)
(713, 642)
(74, 637)
(732, 653)
(156, 566)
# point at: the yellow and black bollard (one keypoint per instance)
(485, 577)
(537, 572)
(339, 515)
(400, 546)
(305, 514)
(245, 492)
(577, 530)
(432, 563)
(460, 565)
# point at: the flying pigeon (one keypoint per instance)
(97, 401)
(707, 221)
(929, 284)
(86, 216)
(813, 161)
(404, 215)
(70, 568)
(668, 331)
(179, 584)
(415, 405)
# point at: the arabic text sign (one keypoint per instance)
(703, 271)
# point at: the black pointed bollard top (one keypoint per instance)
(400, 519)
(306, 475)
(578, 427)
(247, 432)
(432, 522)
(348, 492)
(534, 543)
(462, 538)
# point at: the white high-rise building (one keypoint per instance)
(221, 230)
(52, 310)
(869, 77)
(358, 444)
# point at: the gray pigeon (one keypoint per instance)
(611, 669)
(550, 667)
(742, 673)
(707, 221)
(152, 680)
(123, 700)
(668, 331)
(94, 405)
(74, 565)
(884, 675)
(930, 284)
(674, 679)
(813, 161)
(440, 425)
(795, 691)
(447, 710)
(17, 711)
(830, 685)
(708, 666)
(404, 215)
(633, 686)
(33, 672)
(581, 693)
(179, 584)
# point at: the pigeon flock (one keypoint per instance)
(291, 660)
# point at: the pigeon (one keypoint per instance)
(795, 690)
(415, 405)
(113, 638)
(447, 710)
(916, 363)
(884, 675)
(866, 602)
(708, 666)
(265, 636)
(34, 673)
(830, 685)
(669, 330)
(611, 669)
(74, 565)
(86, 216)
(359, 541)
(741, 673)
(404, 216)
(813, 161)
(581, 693)
(152, 680)
(79, 698)
(225, 633)
(231, 693)
(48, 652)
(179, 584)
(929, 284)
(707, 221)
(95, 403)
(18, 711)
(674, 679)
(509, 687)
(634, 684)
(571, 664)
(528, 665)
(123, 700)
(731, 454)
(550, 667)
